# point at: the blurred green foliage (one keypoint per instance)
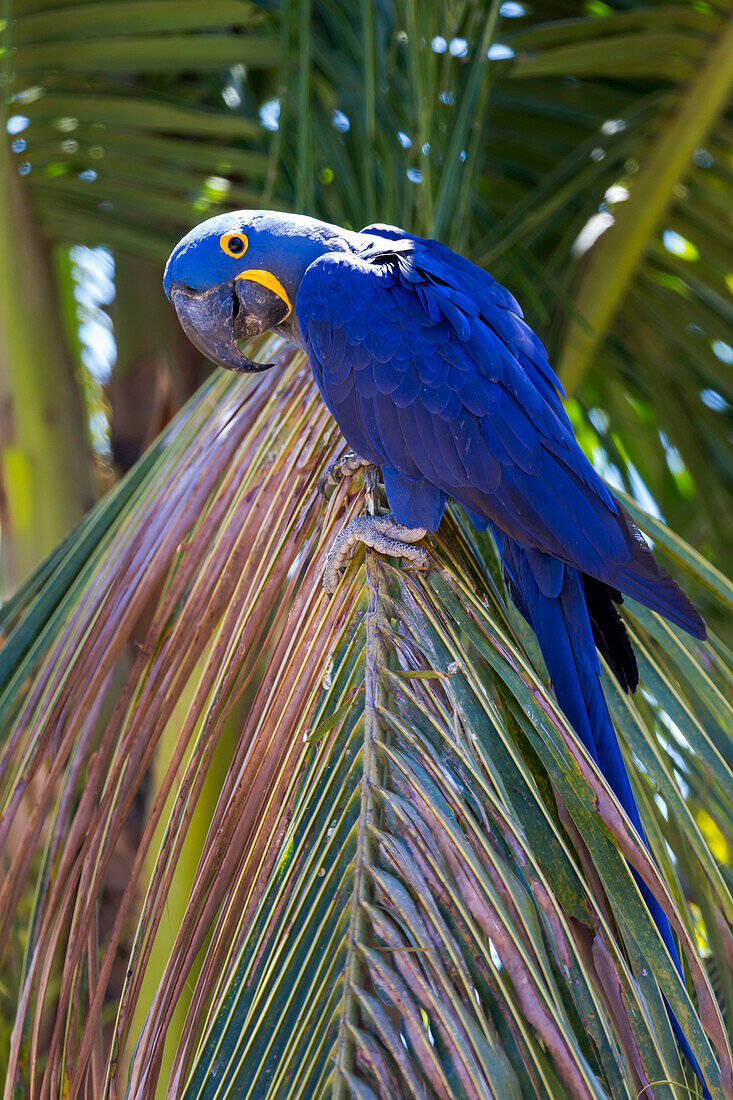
(582, 153)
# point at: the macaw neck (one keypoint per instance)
(310, 239)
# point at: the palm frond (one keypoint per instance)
(105, 709)
(414, 881)
(131, 161)
(445, 894)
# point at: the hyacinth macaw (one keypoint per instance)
(432, 375)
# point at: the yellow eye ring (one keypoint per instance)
(234, 244)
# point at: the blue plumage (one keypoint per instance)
(552, 598)
(431, 372)
(468, 403)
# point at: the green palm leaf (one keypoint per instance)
(102, 153)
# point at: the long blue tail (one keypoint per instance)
(552, 598)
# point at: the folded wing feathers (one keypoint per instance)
(430, 358)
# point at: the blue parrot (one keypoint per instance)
(431, 373)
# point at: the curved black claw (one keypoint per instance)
(385, 535)
(346, 466)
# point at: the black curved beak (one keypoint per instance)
(215, 320)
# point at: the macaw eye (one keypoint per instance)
(234, 244)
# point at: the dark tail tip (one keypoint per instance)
(650, 583)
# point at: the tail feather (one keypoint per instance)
(566, 637)
(609, 632)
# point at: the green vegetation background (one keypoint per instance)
(582, 153)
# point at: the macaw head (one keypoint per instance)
(237, 275)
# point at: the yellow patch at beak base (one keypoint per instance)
(267, 279)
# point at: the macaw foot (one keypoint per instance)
(385, 535)
(346, 466)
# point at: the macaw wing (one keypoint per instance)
(433, 261)
(431, 373)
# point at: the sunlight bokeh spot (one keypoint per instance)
(16, 124)
(679, 246)
(498, 51)
(270, 114)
